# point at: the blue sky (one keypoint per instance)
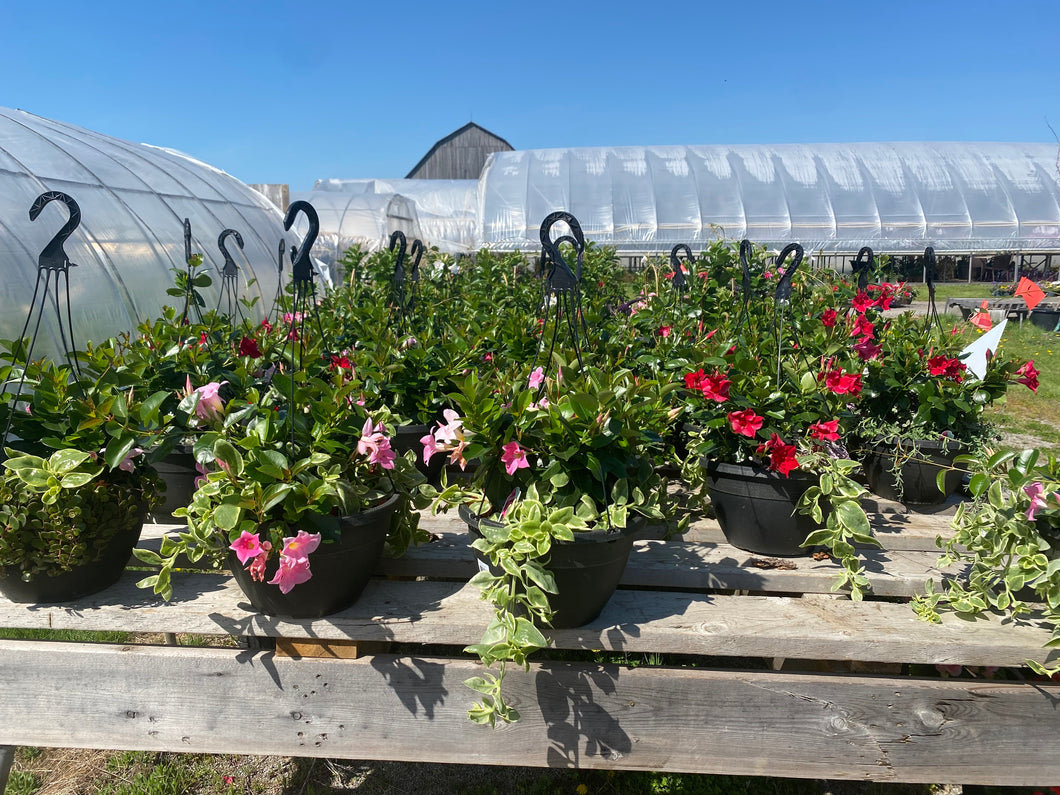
(293, 92)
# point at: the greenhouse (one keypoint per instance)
(894, 197)
(356, 219)
(133, 200)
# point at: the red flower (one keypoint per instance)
(781, 456)
(665, 331)
(266, 324)
(1030, 376)
(862, 302)
(842, 384)
(248, 346)
(863, 328)
(947, 367)
(695, 380)
(202, 339)
(745, 423)
(340, 362)
(716, 387)
(828, 318)
(825, 431)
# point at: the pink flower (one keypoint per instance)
(292, 572)
(949, 670)
(514, 457)
(536, 377)
(210, 404)
(430, 447)
(453, 430)
(374, 444)
(745, 423)
(126, 464)
(867, 349)
(301, 545)
(1034, 491)
(257, 566)
(246, 547)
(665, 331)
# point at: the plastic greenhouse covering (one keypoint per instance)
(894, 197)
(364, 219)
(133, 200)
(447, 209)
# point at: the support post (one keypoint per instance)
(7, 758)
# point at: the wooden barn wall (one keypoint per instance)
(461, 158)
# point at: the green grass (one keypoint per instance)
(947, 290)
(71, 635)
(1022, 411)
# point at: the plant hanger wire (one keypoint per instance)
(562, 287)
(782, 298)
(229, 274)
(52, 261)
(277, 301)
(190, 297)
(929, 278)
(304, 296)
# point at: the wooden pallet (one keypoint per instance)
(383, 680)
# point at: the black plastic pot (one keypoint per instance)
(80, 581)
(1046, 319)
(177, 471)
(586, 570)
(756, 507)
(919, 462)
(341, 569)
(407, 437)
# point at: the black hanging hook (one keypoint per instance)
(397, 283)
(53, 256)
(416, 252)
(229, 270)
(187, 241)
(560, 277)
(680, 281)
(863, 265)
(229, 274)
(304, 292)
(301, 262)
(52, 259)
(562, 285)
(783, 292)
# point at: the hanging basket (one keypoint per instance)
(919, 462)
(341, 569)
(756, 508)
(586, 570)
(83, 580)
(177, 471)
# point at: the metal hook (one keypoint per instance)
(783, 293)
(53, 256)
(680, 282)
(862, 265)
(560, 277)
(302, 263)
(230, 270)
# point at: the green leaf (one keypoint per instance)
(118, 449)
(149, 408)
(76, 480)
(853, 518)
(226, 516)
(63, 461)
(226, 453)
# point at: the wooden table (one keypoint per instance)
(767, 672)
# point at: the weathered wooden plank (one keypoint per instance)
(573, 715)
(634, 620)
